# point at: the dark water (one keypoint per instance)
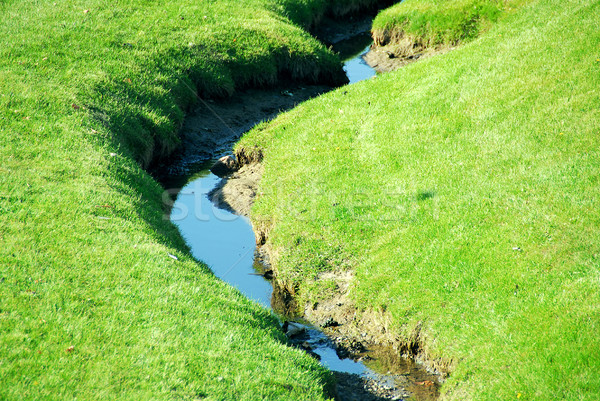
(351, 52)
(226, 242)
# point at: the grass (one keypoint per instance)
(415, 25)
(92, 305)
(462, 192)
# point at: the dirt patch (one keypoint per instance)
(214, 125)
(238, 191)
(386, 58)
(358, 330)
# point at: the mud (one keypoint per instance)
(238, 191)
(211, 128)
(390, 57)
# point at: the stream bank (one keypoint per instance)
(404, 371)
(367, 366)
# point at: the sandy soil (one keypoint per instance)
(389, 58)
(238, 191)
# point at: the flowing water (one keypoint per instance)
(226, 243)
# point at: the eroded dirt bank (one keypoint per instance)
(209, 133)
(387, 58)
(393, 50)
(214, 125)
(352, 329)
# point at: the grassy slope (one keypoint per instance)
(91, 304)
(463, 191)
(430, 23)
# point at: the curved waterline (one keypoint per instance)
(226, 243)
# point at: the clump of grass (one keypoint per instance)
(462, 193)
(415, 25)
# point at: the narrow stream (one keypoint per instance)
(226, 243)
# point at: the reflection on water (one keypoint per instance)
(351, 52)
(221, 239)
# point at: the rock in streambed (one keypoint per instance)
(225, 166)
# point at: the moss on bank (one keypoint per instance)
(461, 193)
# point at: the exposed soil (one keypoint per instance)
(388, 53)
(367, 334)
(393, 56)
(213, 125)
(357, 335)
(238, 191)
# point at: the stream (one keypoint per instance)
(225, 241)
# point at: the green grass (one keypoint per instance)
(463, 192)
(430, 23)
(91, 304)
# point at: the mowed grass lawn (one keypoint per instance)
(99, 297)
(463, 192)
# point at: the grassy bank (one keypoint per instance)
(462, 192)
(99, 297)
(415, 25)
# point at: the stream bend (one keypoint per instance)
(226, 243)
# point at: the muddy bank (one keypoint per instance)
(385, 59)
(215, 124)
(393, 50)
(354, 331)
(388, 52)
(238, 191)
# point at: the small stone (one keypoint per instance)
(342, 353)
(292, 329)
(224, 166)
(306, 346)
